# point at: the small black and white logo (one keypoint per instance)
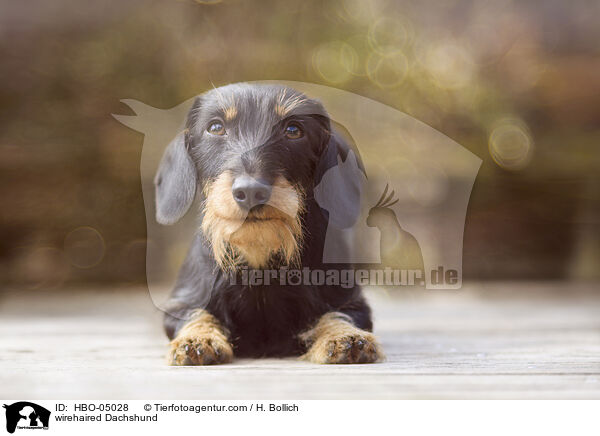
(26, 415)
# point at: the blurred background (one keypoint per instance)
(516, 83)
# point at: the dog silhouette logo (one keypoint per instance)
(26, 415)
(399, 248)
(371, 145)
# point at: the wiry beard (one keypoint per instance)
(255, 238)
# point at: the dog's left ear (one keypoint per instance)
(175, 182)
(339, 179)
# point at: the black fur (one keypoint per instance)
(263, 320)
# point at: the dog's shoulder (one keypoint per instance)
(199, 274)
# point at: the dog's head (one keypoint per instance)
(256, 152)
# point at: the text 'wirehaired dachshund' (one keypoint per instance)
(254, 154)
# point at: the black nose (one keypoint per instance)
(249, 192)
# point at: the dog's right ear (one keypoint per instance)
(175, 181)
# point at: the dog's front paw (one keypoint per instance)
(335, 339)
(200, 350)
(201, 341)
(357, 347)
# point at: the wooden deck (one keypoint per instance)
(505, 340)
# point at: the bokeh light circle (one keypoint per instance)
(388, 35)
(361, 50)
(387, 71)
(84, 247)
(449, 65)
(510, 144)
(334, 61)
(357, 11)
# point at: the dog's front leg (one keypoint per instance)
(335, 339)
(200, 341)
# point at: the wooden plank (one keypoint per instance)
(485, 341)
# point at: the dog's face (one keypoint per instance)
(254, 151)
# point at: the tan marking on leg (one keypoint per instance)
(201, 341)
(336, 340)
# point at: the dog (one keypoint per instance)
(254, 154)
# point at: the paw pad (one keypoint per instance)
(360, 347)
(200, 351)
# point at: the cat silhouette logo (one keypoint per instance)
(26, 415)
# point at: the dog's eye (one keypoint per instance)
(293, 132)
(216, 128)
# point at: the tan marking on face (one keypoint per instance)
(285, 103)
(254, 238)
(227, 104)
(230, 113)
(280, 110)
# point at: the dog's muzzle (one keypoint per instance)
(249, 221)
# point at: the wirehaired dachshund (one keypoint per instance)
(254, 154)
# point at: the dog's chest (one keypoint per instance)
(266, 320)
